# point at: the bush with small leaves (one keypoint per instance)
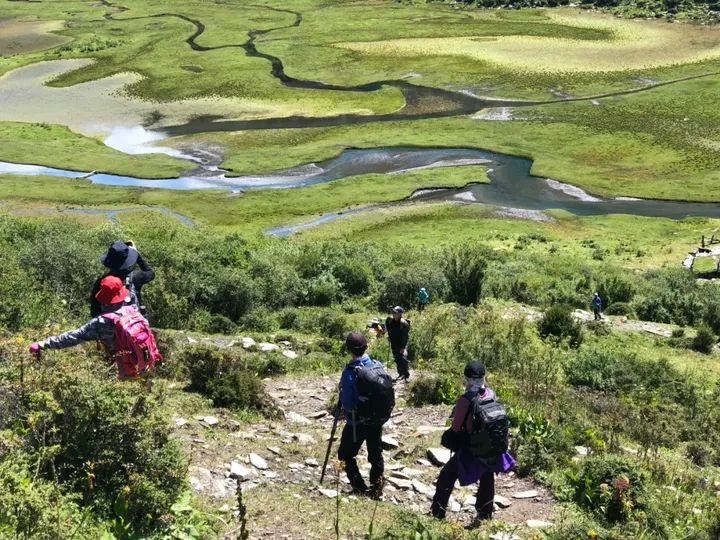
(558, 322)
(434, 389)
(704, 340)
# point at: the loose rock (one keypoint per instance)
(296, 418)
(291, 355)
(530, 494)
(258, 462)
(502, 502)
(268, 347)
(438, 456)
(389, 443)
(538, 524)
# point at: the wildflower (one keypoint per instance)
(621, 483)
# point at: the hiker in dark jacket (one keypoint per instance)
(112, 296)
(463, 465)
(596, 304)
(398, 332)
(119, 259)
(356, 431)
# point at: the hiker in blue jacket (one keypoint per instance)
(596, 305)
(358, 427)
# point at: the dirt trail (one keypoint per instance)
(292, 450)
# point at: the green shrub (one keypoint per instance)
(259, 319)
(323, 290)
(700, 453)
(558, 322)
(289, 318)
(464, 268)
(401, 285)
(109, 439)
(704, 340)
(538, 445)
(355, 276)
(434, 389)
(621, 309)
(225, 377)
(332, 324)
(220, 324)
(36, 508)
(613, 488)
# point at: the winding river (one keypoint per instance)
(511, 183)
(511, 186)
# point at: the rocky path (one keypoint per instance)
(285, 457)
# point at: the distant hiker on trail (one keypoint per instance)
(479, 437)
(123, 331)
(367, 399)
(398, 331)
(119, 259)
(423, 298)
(596, 304)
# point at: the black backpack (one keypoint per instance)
(489, 438)
(376, 395)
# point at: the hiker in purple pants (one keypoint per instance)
(464, 465)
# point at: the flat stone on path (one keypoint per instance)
(502, 502)
(389, 443)
(318, 415)
(438, 456)
(312, 462)
(400, 483)
(296, 466)
(238, 470)
(296, 418)
(530, 494)
(275, 450)
(209, 420)
(538, 524)
(329, 493)
(421, 488)
(268, 347)
(180, 422)
(258, 462)
(303, 438)
(503, 536)
(248, 343)
(427, 430)
(290, 355)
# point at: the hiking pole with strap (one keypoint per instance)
(330, 442)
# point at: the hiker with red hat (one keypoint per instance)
(123, 331)
(120, 259)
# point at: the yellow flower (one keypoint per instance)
(592, 533)
(19, 340)
(126, 490)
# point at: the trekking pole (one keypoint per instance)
(330, 442)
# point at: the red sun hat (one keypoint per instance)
(112, 291)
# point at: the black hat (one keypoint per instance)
(356, 342)
(398, 309)
(119, 256)
(475, 370)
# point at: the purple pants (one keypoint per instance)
(484, 499)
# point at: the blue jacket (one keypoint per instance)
(348, 386)
(596, 302)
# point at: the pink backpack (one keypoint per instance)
(135, 349)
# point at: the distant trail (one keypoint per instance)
(110, 214)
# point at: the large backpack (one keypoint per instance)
(376, 395)
(135, 349)
(489, 437)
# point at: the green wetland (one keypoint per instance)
(294, 169)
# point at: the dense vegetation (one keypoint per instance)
(214, 282)
(704, 10)
(646, 420)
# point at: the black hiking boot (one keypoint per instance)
(376, 490)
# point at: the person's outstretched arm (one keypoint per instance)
(90, 331)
